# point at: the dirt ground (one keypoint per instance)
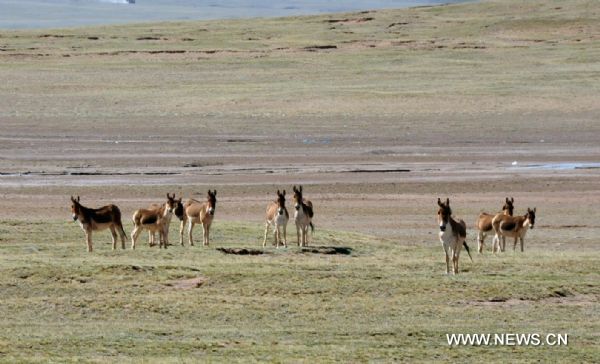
(398, 110)
(364, 184)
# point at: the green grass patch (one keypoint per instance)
(383, 301)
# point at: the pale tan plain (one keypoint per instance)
(453, 94)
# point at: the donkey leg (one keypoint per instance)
(134, 235)
(284, 236)
(165, 232)
(266, 233)
(121, 232)
(447, 258)
(480, 237)
(205, 233)
(181, 227)
(522, 243)
(276, 235)
(190, 228)
(457, 256)
(113, 232)
(306, 235)
(495, 244)
(298, 233)
(88, 240)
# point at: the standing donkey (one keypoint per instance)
(89, 219)
(452, 235)
(277, 216)
(154, 220)
(302, 216)
(484, 222)
(177, 211)
(196, 212)
(512, 227)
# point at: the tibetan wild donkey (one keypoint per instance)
(484, 222)
(452, 235)
(154, 220)
(277, 217)
(197, 212)
(302, 216)
(177, 211)
(106, 217)
(512, 227)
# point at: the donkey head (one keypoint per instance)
(211, 198)
(298, 197)
(530, 215)
(280, 202)
(444, 213)
(178, 210)
(170, 204)
(508, 206)
(75, 207)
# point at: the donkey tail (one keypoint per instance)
(118, 220)
(467, 249)
(312, 227)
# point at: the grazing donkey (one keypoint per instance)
(277, 217)
(154, 220)
(302, 216)
(484, 222)
(198, 212)
(98, 219)
(512, 227)
(452, 235)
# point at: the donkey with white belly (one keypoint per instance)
(484, 222)
(452, 235)
(154, 220)
(302, 216)
(512, 227)
(277, 217)
(197, 212)
(106, 217)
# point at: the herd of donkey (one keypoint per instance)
(157, 218)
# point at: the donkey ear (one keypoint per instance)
(507, 200)
(300, 189)
(440, 202)
(294, 188)
(215, 193)
(512, 199)
(72, 198)
(534, 209)
(278, 192)
(78, 198)
(447, 201)
(283, 193)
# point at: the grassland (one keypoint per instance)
(451, 95)
(384, 301)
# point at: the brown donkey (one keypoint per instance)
(199, 212)
(177, 211)
(452, 235)
(302, 216)
(106, 217)
(154, 220)
(484, 222)
(512, 227)
(277, 216)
